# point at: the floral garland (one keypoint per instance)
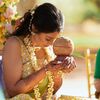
(50, 90)
(8, 15)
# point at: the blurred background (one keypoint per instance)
(82, 19)
(82, 25)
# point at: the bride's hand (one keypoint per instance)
(54, 66)
(68, 64)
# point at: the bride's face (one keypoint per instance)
(46, 39)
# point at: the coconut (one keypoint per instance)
(63, 46)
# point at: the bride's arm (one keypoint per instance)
(12, 68)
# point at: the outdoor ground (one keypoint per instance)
(75, 83)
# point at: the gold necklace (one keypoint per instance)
(31, 51)
(50, 90)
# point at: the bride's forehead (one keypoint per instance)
(54, 34)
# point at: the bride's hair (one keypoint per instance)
(45, 18)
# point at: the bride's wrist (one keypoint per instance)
(49, 69)
(55, 73)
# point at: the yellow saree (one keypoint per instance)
(27, 70)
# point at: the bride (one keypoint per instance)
(27, 72)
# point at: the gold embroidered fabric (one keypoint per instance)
(27, 70)
(22, 97)
(27, 66)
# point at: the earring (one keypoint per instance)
(32, 33)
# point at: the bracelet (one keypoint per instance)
(48, 72)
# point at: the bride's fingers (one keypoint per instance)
(69, 68)
(73, 63)
(66, 62)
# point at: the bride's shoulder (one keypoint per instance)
(11, 43)
(13, 40)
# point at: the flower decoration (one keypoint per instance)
(8, 15)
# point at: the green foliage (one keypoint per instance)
(76, 11)
(92, 10)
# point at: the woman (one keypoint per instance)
(24, 78)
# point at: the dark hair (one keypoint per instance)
(46, 18)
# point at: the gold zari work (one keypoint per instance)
(30, 65)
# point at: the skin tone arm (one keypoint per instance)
(12, 66)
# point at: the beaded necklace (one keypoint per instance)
(33, 59)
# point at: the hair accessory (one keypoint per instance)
(30, 24)
(22, 19)
(33, 10)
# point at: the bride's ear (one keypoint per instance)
(34, 29)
